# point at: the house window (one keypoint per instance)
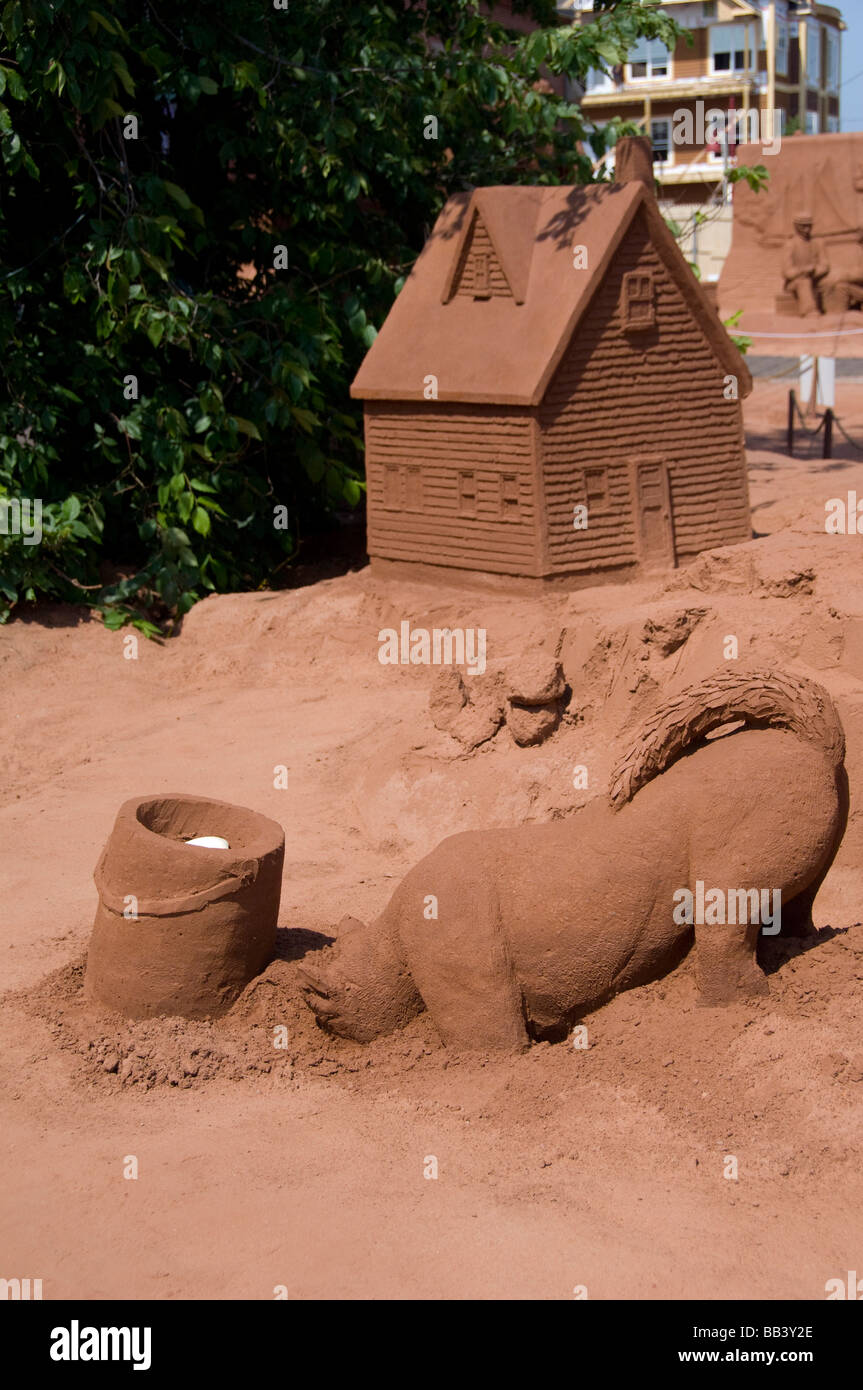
(413, 490)
(832, 59)
(832, 124)
(649, 58)
(708, 9)
(811, 122)
(728, 48)
(638, 306)
(481, 285)
(813, 53)
(596, 489)
(660, 138)
(392, 486)
(782, 47)
(599, 81)
(509, 496)
(467, 494)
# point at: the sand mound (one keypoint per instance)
(304, 1164)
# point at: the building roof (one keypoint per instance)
(504, 349)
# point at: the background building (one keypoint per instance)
(748, 57)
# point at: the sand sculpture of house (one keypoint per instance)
(552, 351)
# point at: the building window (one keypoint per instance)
(599, 81)
(832, 124)
(660, 138)
(596, 489)
(414, 490)
(832, 59)
(638, 306)
(811, 122)
(467, 494)
(728, 48)
(708, 9)
(782, 47)
(481, 285)
(392, 486)
(649, 58)
(813, 53)
(509, 496)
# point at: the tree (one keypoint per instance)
(204, 213)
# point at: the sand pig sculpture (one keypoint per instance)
(538, 924)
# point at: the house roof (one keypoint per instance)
(504, 349)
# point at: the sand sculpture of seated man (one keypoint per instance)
(804, 266)
(846, 292)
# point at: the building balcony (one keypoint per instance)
(670, 88)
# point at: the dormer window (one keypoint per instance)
(639, 310)
(481, 281)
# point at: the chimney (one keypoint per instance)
(633, 161)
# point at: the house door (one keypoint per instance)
(653, 520)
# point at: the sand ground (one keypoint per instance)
(304, 1167)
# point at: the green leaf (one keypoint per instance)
(315, 467)
(96, 17)
(247, 427)
(304, 418)
(123, 73)
(178, 194)
(16, 86)
(13, 20)
(610, 51)
(201, 521)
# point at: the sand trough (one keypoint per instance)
(182, 928)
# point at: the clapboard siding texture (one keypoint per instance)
(618, 398)
(476, 505)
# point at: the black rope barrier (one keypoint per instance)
(825, 424)
(842, 430)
